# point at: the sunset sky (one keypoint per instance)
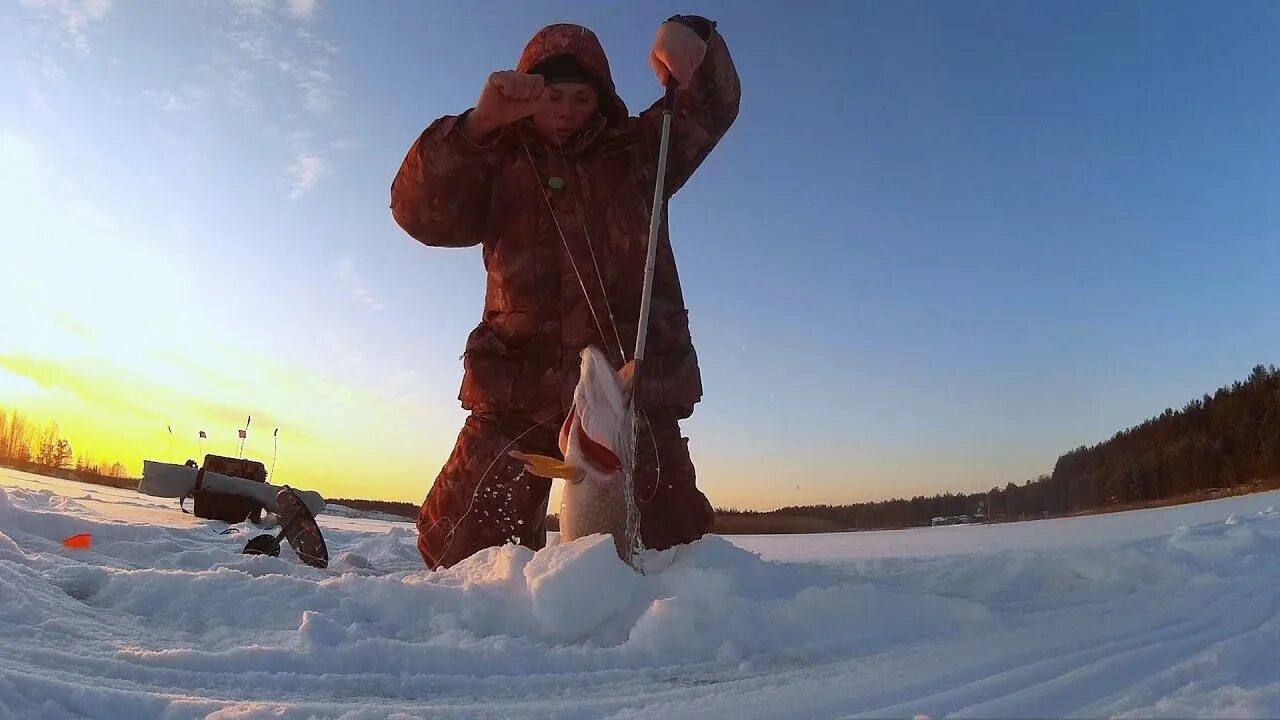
(944, 242)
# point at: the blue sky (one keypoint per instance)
(944, 242)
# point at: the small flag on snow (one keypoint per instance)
(82, 541)
(170, 429)
(276, 433)
(203, 435)
(244, 434)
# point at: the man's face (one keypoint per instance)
(565, 108)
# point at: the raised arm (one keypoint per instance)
(707, 102)
(441, 194)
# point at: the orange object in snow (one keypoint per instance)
(83, 541)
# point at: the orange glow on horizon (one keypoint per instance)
(110, 417)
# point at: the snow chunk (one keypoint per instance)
(319, 630)
(576, 586)
(666, 628)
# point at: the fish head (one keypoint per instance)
(591, 434)
(593, 431)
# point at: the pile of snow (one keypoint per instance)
(164, 618)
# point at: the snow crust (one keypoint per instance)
(1172, 612)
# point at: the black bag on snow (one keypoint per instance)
(225, 506)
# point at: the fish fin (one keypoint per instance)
(627, 375)
(548, 467)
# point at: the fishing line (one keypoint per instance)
(565, 241)
(484, 477)
(582, 219)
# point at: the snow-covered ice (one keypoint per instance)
(1172, 612)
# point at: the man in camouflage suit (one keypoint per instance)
(555, 180)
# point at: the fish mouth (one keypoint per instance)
(599, 456)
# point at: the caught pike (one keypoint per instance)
(596, 440)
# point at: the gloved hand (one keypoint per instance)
(507, 96)
(677, 52)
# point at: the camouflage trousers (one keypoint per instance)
(482, 497)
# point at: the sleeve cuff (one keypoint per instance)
(697, 23)
(449, 129)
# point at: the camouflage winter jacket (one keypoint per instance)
(539, 212)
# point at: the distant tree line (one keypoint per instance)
(1226, 442)
(28, 445)
(390, 507)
